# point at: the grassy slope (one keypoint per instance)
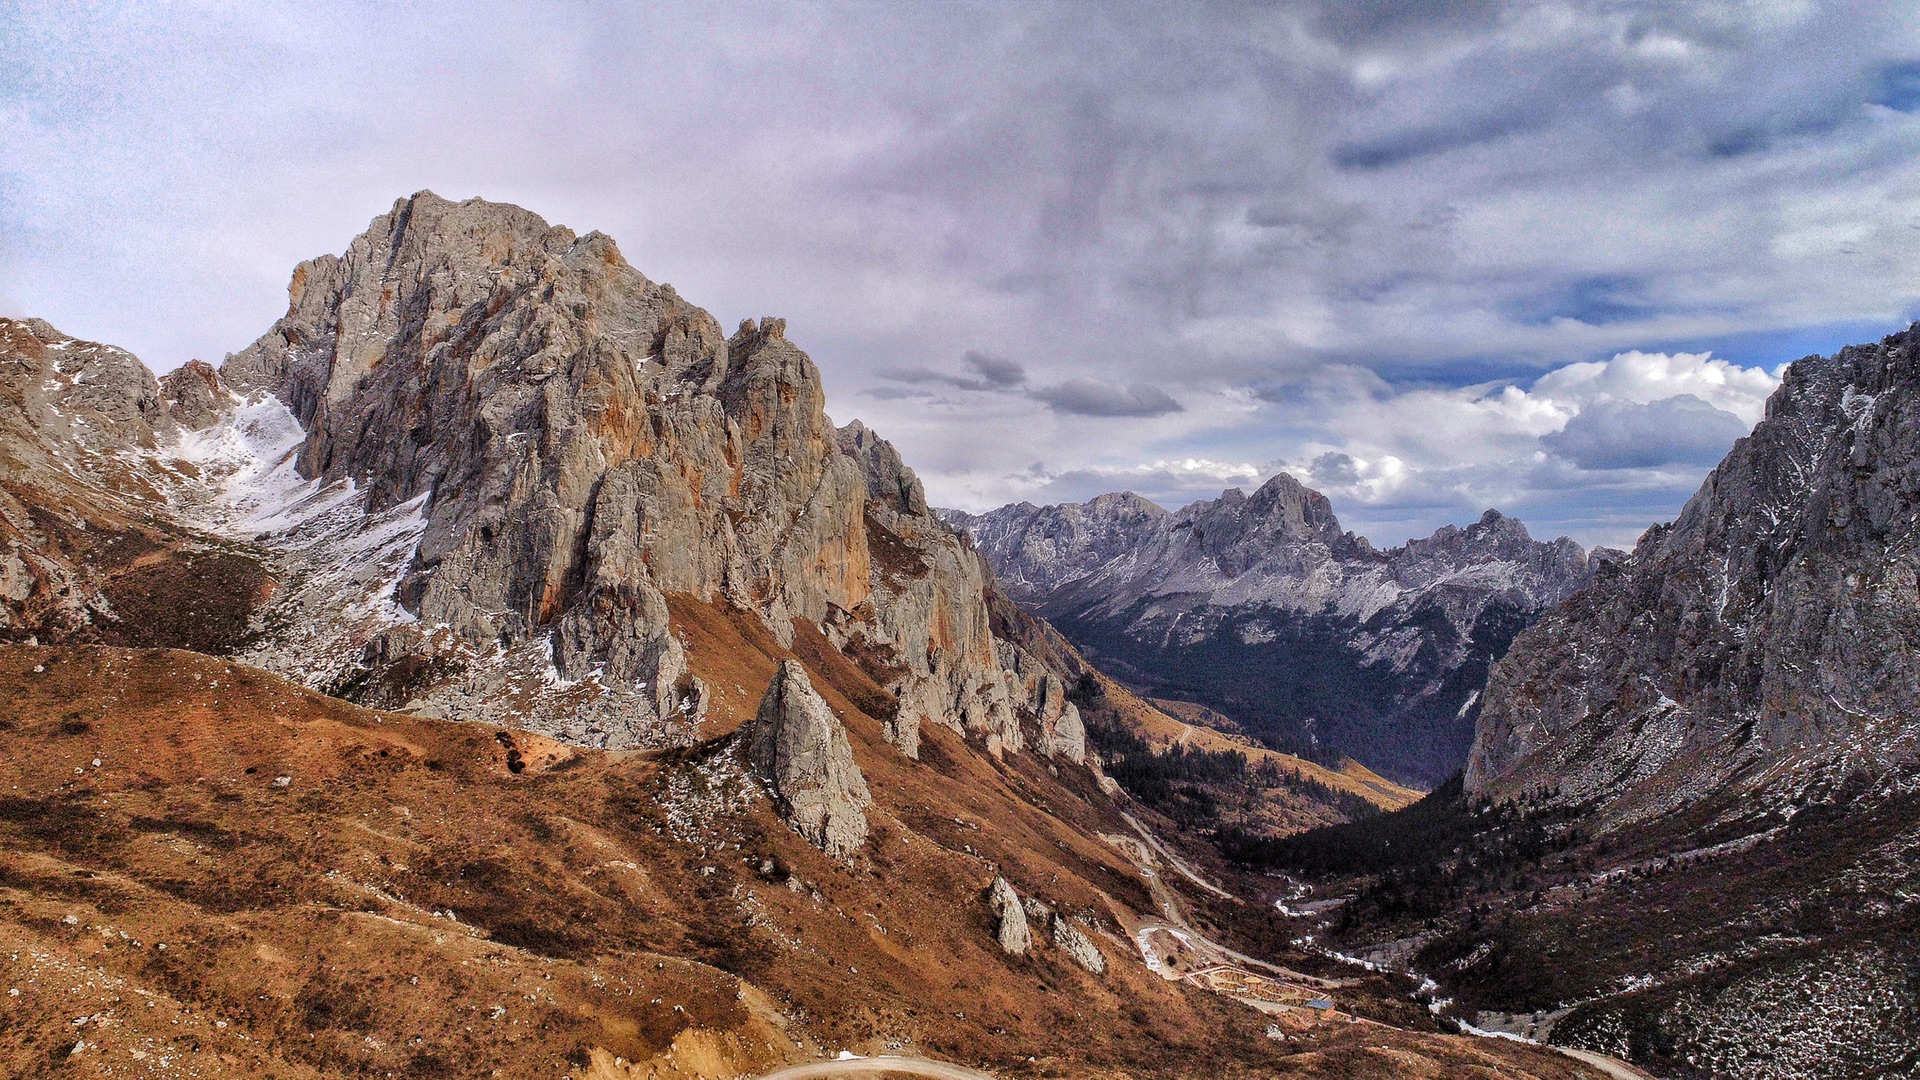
(406, 903)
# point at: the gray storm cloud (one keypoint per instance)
(1093, 235)
(1620, 435)
(1091, 397)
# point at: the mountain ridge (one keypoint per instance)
(1770, 621)
(1383, 648)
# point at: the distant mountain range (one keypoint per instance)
(1261, 607)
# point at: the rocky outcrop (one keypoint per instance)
(195, 396)
(573, 445)
(1077, 945)
(798, 747)
(1764, 648)
(1017, 917)
(90, 549)
(1036, 690)
(1014, 935)
(1261, 607)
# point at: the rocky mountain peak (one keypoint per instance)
(484, 468)
(1763, 642)
(889, 481)
(1498, 538)
(1122, 504)
(1384, 649)
(1237, 531)
(578, 445)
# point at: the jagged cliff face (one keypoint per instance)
(577, 444)
(1261, 606)
(471, 473)
(1765, 642)
(1716, 752)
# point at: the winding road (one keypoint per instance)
(873, 1066)
(1149, 853)
(1613, 1067)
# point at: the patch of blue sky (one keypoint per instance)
(1771, 348)
(1594, 299)
(1899, 86)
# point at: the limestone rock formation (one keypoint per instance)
(579, 445)
(1014, 935)
(1261, 607)
(799, 748)
(474, 472)
(1035, 689)
(1765, 643)
(1078, 945)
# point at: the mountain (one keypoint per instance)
(1765, 645)
(90, 550)
(496, 669)
(1739, 697)
(1263, 608)
(1689, 830)
(469, 469)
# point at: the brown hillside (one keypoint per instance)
(205, 870)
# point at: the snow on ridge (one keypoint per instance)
(238, 479)
(244, 479)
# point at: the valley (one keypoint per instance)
(495, 670)
(974, 541)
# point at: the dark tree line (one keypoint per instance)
(1186, 783)
(1423, 860)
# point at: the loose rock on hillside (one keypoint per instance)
(798, 747)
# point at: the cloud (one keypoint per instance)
(9, 309)
(1623, 435)
(990, 373)
(1642, 377)
(1593, 449)
(1251, 232)
(995, 370)
(1091, 397)
(1171, 483)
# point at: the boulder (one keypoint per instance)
(1078, 945)
(1015, 936)
(800, 749)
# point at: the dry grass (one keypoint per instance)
(406, 904)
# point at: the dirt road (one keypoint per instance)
(874, 1066)
(1613, 1067)
(1151, 855)
(1166, 855)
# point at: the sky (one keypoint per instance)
(1429, 257)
